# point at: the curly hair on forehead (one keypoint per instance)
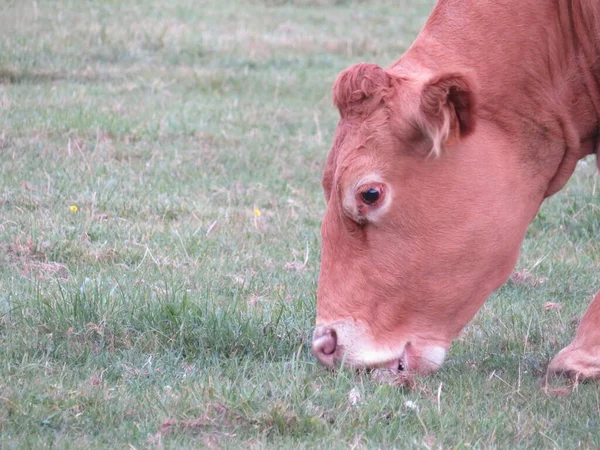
(446, 102)
(360, 88)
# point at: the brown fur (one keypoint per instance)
(581, 358)
(507, 94)
(357, 85)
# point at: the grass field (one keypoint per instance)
(160, 204)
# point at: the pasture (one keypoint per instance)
(160, 204)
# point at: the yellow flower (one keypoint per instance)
(74, 208)
(256, 212)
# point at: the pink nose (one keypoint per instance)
(324, 345)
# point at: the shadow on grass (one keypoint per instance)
(25, 76)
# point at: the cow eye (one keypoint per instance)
(370, 196)
(368, 204)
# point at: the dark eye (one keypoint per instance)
(370, 196)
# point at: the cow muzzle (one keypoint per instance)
(348, 343)
(324, 345)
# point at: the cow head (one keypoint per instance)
(425, 216)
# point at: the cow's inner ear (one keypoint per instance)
(447, 109)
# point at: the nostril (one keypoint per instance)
(324, 342)
(329, 342)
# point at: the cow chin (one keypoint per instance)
(348, 343)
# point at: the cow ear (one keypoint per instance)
(447, 109)
(357, 85)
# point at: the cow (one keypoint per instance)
(438, 165)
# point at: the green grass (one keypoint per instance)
(164, 313)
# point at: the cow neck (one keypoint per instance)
(521, 77)
(584, 20)
(587, 30)
(580, 124)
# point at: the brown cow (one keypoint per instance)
(439, 164)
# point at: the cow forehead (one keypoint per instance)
(358, 137)
(344, 139)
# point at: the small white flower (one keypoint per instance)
(354, 397)
(408, 404)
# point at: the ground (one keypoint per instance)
(160, 203)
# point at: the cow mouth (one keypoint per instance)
(398, 365)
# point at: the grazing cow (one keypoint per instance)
(439, 164)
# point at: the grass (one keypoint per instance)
(165, 313)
